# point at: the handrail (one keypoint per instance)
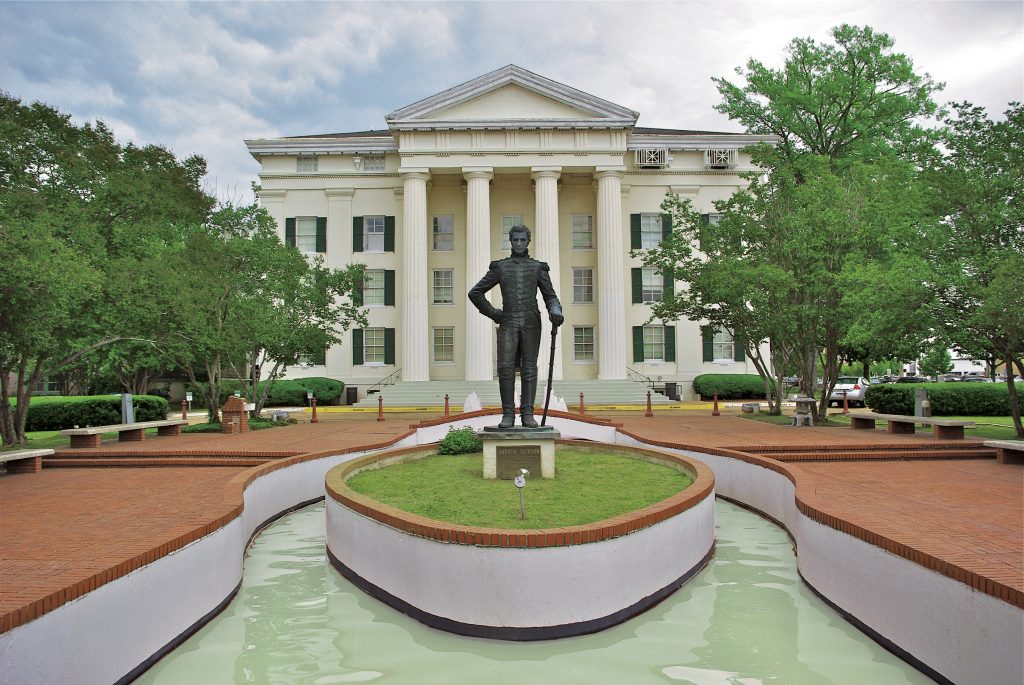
(384, 382)
(638, 377)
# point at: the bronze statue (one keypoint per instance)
(518, 321)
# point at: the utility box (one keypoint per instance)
(351, 394)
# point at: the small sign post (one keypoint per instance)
(520, 483)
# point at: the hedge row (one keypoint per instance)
(58, 414)
(289, 393)
(729, 386)
(947, 399)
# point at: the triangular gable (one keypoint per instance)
(511, 97)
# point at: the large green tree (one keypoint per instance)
(837, 198)
(976, 252)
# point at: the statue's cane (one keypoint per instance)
(551, 372)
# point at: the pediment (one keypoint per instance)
(511, 97)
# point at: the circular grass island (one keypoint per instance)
(616, 531)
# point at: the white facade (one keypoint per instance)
(423, 205)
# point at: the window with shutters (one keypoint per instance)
(650, 231)
(373, 287)
(373, 234)
(444, 233)
(444, 344)
(583, 343)
(722, 346)
(654, 343)
(305, 233)
(507, 222)
(444, 286)
(582, 285)
(582, 232)
(652, 285)
(305, 164)
(373, 346)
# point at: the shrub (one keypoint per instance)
(460, 441)
(254, 424)
(58, 414)
(947, 399)
(289, 393)
(729, 386)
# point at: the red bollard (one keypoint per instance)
(714, 411)
(380, 407)
(314, 419)
(846, 405)
(648, 412)
(446, 405)
(184, 410)
(582, 408)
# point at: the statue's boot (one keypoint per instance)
(526, 399)
(507, 390)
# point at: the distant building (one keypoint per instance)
(427, 202)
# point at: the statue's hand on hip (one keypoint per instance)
(497, 315)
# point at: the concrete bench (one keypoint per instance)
(1007, 451)
(127, 432)
(24, 461)
(948, 429)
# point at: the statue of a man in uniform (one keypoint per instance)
(518, 321)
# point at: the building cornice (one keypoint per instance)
(692, 142)
(319, 146)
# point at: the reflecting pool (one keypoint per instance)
(747, 619)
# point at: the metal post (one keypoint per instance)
(184, 410)
(648, 412)
(846, 404)
(380, 407)
(314, 419)
(714, 410)
(446, 405)
(582, 408)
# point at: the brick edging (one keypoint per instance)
(810, 506)
(441, 531)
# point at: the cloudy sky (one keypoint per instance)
(200, 77)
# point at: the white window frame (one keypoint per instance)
(507, 222)
(373, 240)
(305, 233)
(650, 230)
(582, 232)
(440, 288)
(447, 339)
(652, 285)
(443, 234)
(582, 285)
(373, 288)
(373, 346)
(306, 165)
(723, 347)
(373, 163)
(581, 345)
(654, 343)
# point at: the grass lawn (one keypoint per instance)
(589, 486)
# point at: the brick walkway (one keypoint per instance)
(65, 531)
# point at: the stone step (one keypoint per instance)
(431, 393)
(879, 455)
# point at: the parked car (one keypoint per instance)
(975, 379)
(912, 379)
(852, 388)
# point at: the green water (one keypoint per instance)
(747, 619)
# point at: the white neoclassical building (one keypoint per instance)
(426, 204)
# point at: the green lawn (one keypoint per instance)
(589, 486)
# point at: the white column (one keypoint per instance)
(339, 226)
(415, 327)
(545, 248)
(479, 329)
(612, 334)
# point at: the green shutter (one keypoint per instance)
(666, 226)
(320, 358)
(737, 347)
(389, 345)
(669, 281)
(321, 234)
(389, 234)
(357, 234)
(634, 231)
(708, 336)
(670, 343)
(357, 347)
(357, 293)
(638, 343)
(389, 288)
(637, 278)
(289, 232)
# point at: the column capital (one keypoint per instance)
(484, 172)
(609, 171)
(340, 193)
(554, 172)
(272, 195)
(417, 173)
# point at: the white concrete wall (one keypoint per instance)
(521, 587)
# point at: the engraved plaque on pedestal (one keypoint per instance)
(511, 458)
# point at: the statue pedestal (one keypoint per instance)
(506, 450)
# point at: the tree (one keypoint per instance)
(976, 252)
(937, 360)
(837, 198)
(74, 206)
(249, 302)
